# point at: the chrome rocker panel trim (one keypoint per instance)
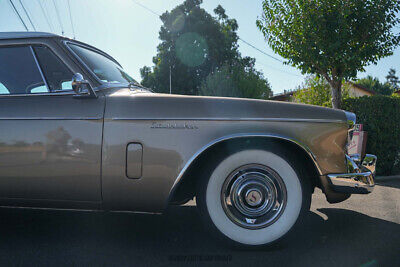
(360, 179)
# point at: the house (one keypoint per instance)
(286, 96)
(355, 90)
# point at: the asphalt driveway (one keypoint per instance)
(363, 231)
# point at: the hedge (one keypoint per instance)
(380, 116)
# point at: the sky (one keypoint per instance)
(128, 31)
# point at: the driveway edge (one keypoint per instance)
(387, 178)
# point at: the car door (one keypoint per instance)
(50, 141)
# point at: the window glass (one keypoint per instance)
(39, 89)
(66, 85)
(56, 73)
(3, 90)
(19, 73)
(104, 68)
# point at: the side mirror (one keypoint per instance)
(82, 87)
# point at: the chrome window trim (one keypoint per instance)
(39, 67)
(29, 46)
(63, 93)
(49, 93)
(51, 118)
(89, 47)
(77, 57)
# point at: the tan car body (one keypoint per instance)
(175, 130)
(130, 150)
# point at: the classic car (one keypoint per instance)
(77, 132)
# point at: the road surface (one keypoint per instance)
(363, 231)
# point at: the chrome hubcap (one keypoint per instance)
(253, 196)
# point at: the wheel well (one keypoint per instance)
(186, 189)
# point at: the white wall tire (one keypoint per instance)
(214, 210)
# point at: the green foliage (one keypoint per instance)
(393, 80)
(240, 80)
(375, 85)
(332, 38)
(316, 91)
(196, 46)
(381, 118)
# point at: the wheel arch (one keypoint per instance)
(183, 188)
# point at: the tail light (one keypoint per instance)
(357, 140)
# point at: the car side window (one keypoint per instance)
(3, 90)
(56, 73)
(19, 73)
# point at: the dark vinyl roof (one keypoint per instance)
(24, 35)
(27, 35)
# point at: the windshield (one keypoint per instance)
(104, 68)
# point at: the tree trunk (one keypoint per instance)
(336, 89)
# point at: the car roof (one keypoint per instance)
(27, 35)
(24, 35)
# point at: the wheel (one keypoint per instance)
(253, 197)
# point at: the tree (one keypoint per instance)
(375, 85)
(240, 80)
(195, 45)
(316, 91)
(331, 38)
(393, 80)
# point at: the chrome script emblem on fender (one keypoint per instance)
(177, 126)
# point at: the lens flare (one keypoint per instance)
(191, 49)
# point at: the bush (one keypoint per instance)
(380, 116)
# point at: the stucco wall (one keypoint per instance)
(356, 92)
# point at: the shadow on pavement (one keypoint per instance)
(34, 237)
(395, 183)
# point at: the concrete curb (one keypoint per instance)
(387, 178)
